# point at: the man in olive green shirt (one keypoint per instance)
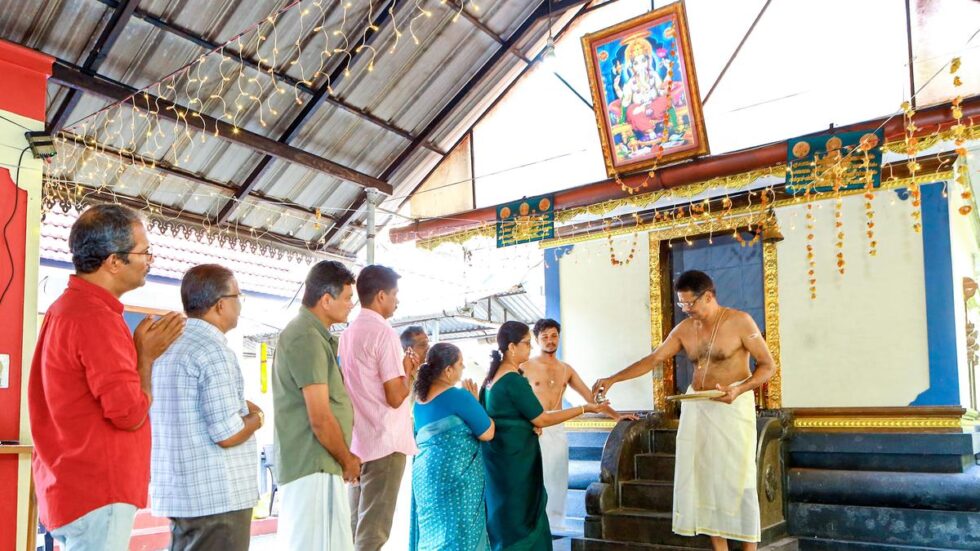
(314, 418)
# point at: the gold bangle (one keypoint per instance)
(583, 411)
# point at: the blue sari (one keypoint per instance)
(448, 511)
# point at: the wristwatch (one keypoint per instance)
(261, 418)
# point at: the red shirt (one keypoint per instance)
(84, 392)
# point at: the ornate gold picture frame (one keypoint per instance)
(645, 91)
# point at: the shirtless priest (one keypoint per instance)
(715, 476)
(549, 377)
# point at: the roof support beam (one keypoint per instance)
(539, 12)
(110, 33)
(345, 219)
(475, 21)
(285, 79)
(367, 38)
(738, 48)
(166, 168)
(494, 103)
(68, 75)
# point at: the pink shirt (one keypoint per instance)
(370, 354)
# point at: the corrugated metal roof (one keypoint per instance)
(406, 88)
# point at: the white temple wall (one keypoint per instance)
(862, 342)
(965, 252)
(605, 316)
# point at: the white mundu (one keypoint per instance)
(314, 514)
(554, 462)
(715, 490)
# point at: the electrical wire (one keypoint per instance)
(6, 225)
(15, 122)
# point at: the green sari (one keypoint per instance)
(516, 497)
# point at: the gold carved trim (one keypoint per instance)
(734, 182)
(884, 423)
(770, 285)
(660, 388)
(682, 227)
(590, 424)
(926, 142)
(485, 230)
(664, 386)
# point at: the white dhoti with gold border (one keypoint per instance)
(715, 490)
(554, 462)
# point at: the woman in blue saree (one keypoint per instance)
(516, 497)
(448, 511)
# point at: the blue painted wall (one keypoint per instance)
(940, 314)
(552, 284)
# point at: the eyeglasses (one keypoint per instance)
(239, 296)
(690, 304)
(527, 342)
(148, 252)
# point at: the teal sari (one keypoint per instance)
(516, 497)
(448, 511)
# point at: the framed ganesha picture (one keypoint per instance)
(645, 91)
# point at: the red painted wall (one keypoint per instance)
(11, 335)
(22, 91)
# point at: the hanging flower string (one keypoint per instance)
(614, 259)
(911, 148)
(868, 142)
(959, 133)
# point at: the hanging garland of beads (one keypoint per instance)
(614, 259)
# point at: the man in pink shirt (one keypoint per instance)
(378, 378)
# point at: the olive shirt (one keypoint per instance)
(306, 354)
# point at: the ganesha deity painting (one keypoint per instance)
(647, 104)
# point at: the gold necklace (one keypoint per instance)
(711, 343)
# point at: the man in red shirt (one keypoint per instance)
(89, 390)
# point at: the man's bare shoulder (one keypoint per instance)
(684, 327)
(744, 324)
(533, 365)
(740, 317)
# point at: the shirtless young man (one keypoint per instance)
(715, 477)
(549, 377)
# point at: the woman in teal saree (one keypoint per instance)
(448, 511)
(516, 498)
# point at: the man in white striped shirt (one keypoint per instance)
(203, 465)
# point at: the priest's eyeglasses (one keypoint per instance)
(691, 304)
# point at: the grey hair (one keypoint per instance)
(203, 286)
(100, 232)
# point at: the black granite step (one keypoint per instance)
(895, 452)
(663, 440)
(630, 525)
(655, 466)
(945, 491)
(652, 495)
(587, 544)
(885, 525)
(808, 544)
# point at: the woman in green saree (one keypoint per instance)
(448, 511)
(516, 498)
